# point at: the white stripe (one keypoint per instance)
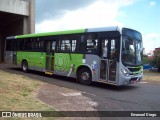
(143, 82)
(71, 94)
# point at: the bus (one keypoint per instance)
(111, 55)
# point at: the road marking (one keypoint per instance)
(92, 103)
(143, 82)
(89, 93)
(71, 94)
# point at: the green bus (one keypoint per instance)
(111, 55)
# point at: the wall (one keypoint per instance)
(16, 17)
(20, 7)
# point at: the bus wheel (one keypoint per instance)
(25, 66)
(85, 76)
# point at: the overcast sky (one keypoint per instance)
(142, 15)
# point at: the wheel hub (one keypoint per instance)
(85, 76)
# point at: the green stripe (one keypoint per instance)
(51, 33)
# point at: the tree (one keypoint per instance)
(156, 59)
(145, 59)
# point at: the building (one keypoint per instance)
(16, 17)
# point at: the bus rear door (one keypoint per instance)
(50, 50)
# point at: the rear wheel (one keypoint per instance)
(25, 66)
(85, 76)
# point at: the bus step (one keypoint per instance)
(48, 72)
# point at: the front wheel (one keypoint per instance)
(85, 76)
(25, 66)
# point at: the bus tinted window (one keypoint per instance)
(11, 45)
(20, 44)
(30, 44)
(39, 44)
(68, 44)
(89, 44)
(74, 44)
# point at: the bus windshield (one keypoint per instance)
(132, 48)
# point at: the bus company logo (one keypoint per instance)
(62, 63)
(6, 114)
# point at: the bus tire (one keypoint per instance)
(85, 76)
(25, 66)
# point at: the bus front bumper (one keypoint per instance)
(131, 79)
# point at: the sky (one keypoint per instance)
(141, 15)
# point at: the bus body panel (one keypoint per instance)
(36, 60)
(66, 64)
(8, 57)
(93, 61)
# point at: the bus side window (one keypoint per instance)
(82, 44)
(113, 45)
(39, 44)
(48, 47)
(27, 44)
(104, 52)
(20, 44)
(9, 45)
(66, 45)
(114, 49)
(74, 45)
(53, 46)
(92, 43)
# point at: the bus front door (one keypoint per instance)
(108, 64)
(104, 60)
(113, 53)
(50, 49)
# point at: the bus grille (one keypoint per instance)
(134, 69)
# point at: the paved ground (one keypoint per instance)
(65, 94)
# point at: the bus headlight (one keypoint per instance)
(124, 71)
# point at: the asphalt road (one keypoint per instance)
(136, 97)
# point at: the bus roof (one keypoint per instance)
(51, 33)
(100, 29)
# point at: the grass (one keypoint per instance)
(18, 93)
(152, 77)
